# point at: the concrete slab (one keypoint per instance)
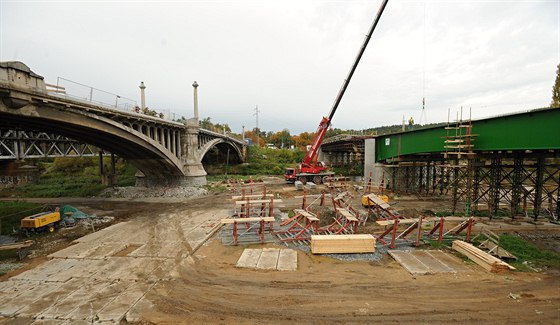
(13, 288)
(249, 258)
(117, 309)
(171, 250)
(85, 268)
(48, 322)
(105, 250)
(146, 267)
(451, 261)
(71, 251)
(135, 313)
(427, 262)
(165, 270)
(12, 306)
(103, 233)
(108, 268)
(287, 260)
(409, 262)
(268, 259)
(46, 270)
(46, 302)
(64, 306)
(88, 282)
(98, 300)
(432, 262)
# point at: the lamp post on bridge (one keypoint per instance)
(195, 86)
(142, 96)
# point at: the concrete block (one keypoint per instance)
(249, 258)
(287, 260)
(298, 185)
(268, 259)
(311, 185)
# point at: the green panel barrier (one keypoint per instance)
(533, 130)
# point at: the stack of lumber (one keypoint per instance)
(19, 245)
(487, 261)
(339, 244)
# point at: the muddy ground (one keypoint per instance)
(323, 290)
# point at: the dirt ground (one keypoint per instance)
(324, 290)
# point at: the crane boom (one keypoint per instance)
(309, 164)
(357, 60)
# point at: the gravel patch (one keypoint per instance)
(7, 266)
(133, 192)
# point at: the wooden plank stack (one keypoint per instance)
(340, 244)
(487, 261)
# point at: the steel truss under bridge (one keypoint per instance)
(517, 183)
(26, 144)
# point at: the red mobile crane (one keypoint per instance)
(311, 169)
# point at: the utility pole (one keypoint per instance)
(257, 129)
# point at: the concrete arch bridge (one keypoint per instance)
(165, 152)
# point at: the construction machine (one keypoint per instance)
(44, 221)
(311, 169)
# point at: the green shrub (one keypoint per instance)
(527, 251)
(11, 212)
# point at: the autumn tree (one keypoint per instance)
(281, 139)
(254, 138)
(207, 124)
(556, 90)
(303, 139)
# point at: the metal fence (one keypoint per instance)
(72, 90)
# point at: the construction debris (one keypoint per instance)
(487, 261)
(492, 244)
(22, 248)
(325, 244)
(379, 208)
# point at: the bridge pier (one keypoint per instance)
(192, 164)
(193, 170)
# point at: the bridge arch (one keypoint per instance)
(221, 144)
(149, 156)
(166, 152)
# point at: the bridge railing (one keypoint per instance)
(72, 90)
(76, 91)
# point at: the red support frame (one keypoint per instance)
(300, 225)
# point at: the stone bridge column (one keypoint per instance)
(192, 168)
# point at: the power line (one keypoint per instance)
(257, 129)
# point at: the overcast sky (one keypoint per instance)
(291, 57)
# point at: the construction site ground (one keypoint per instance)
(161, 262)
